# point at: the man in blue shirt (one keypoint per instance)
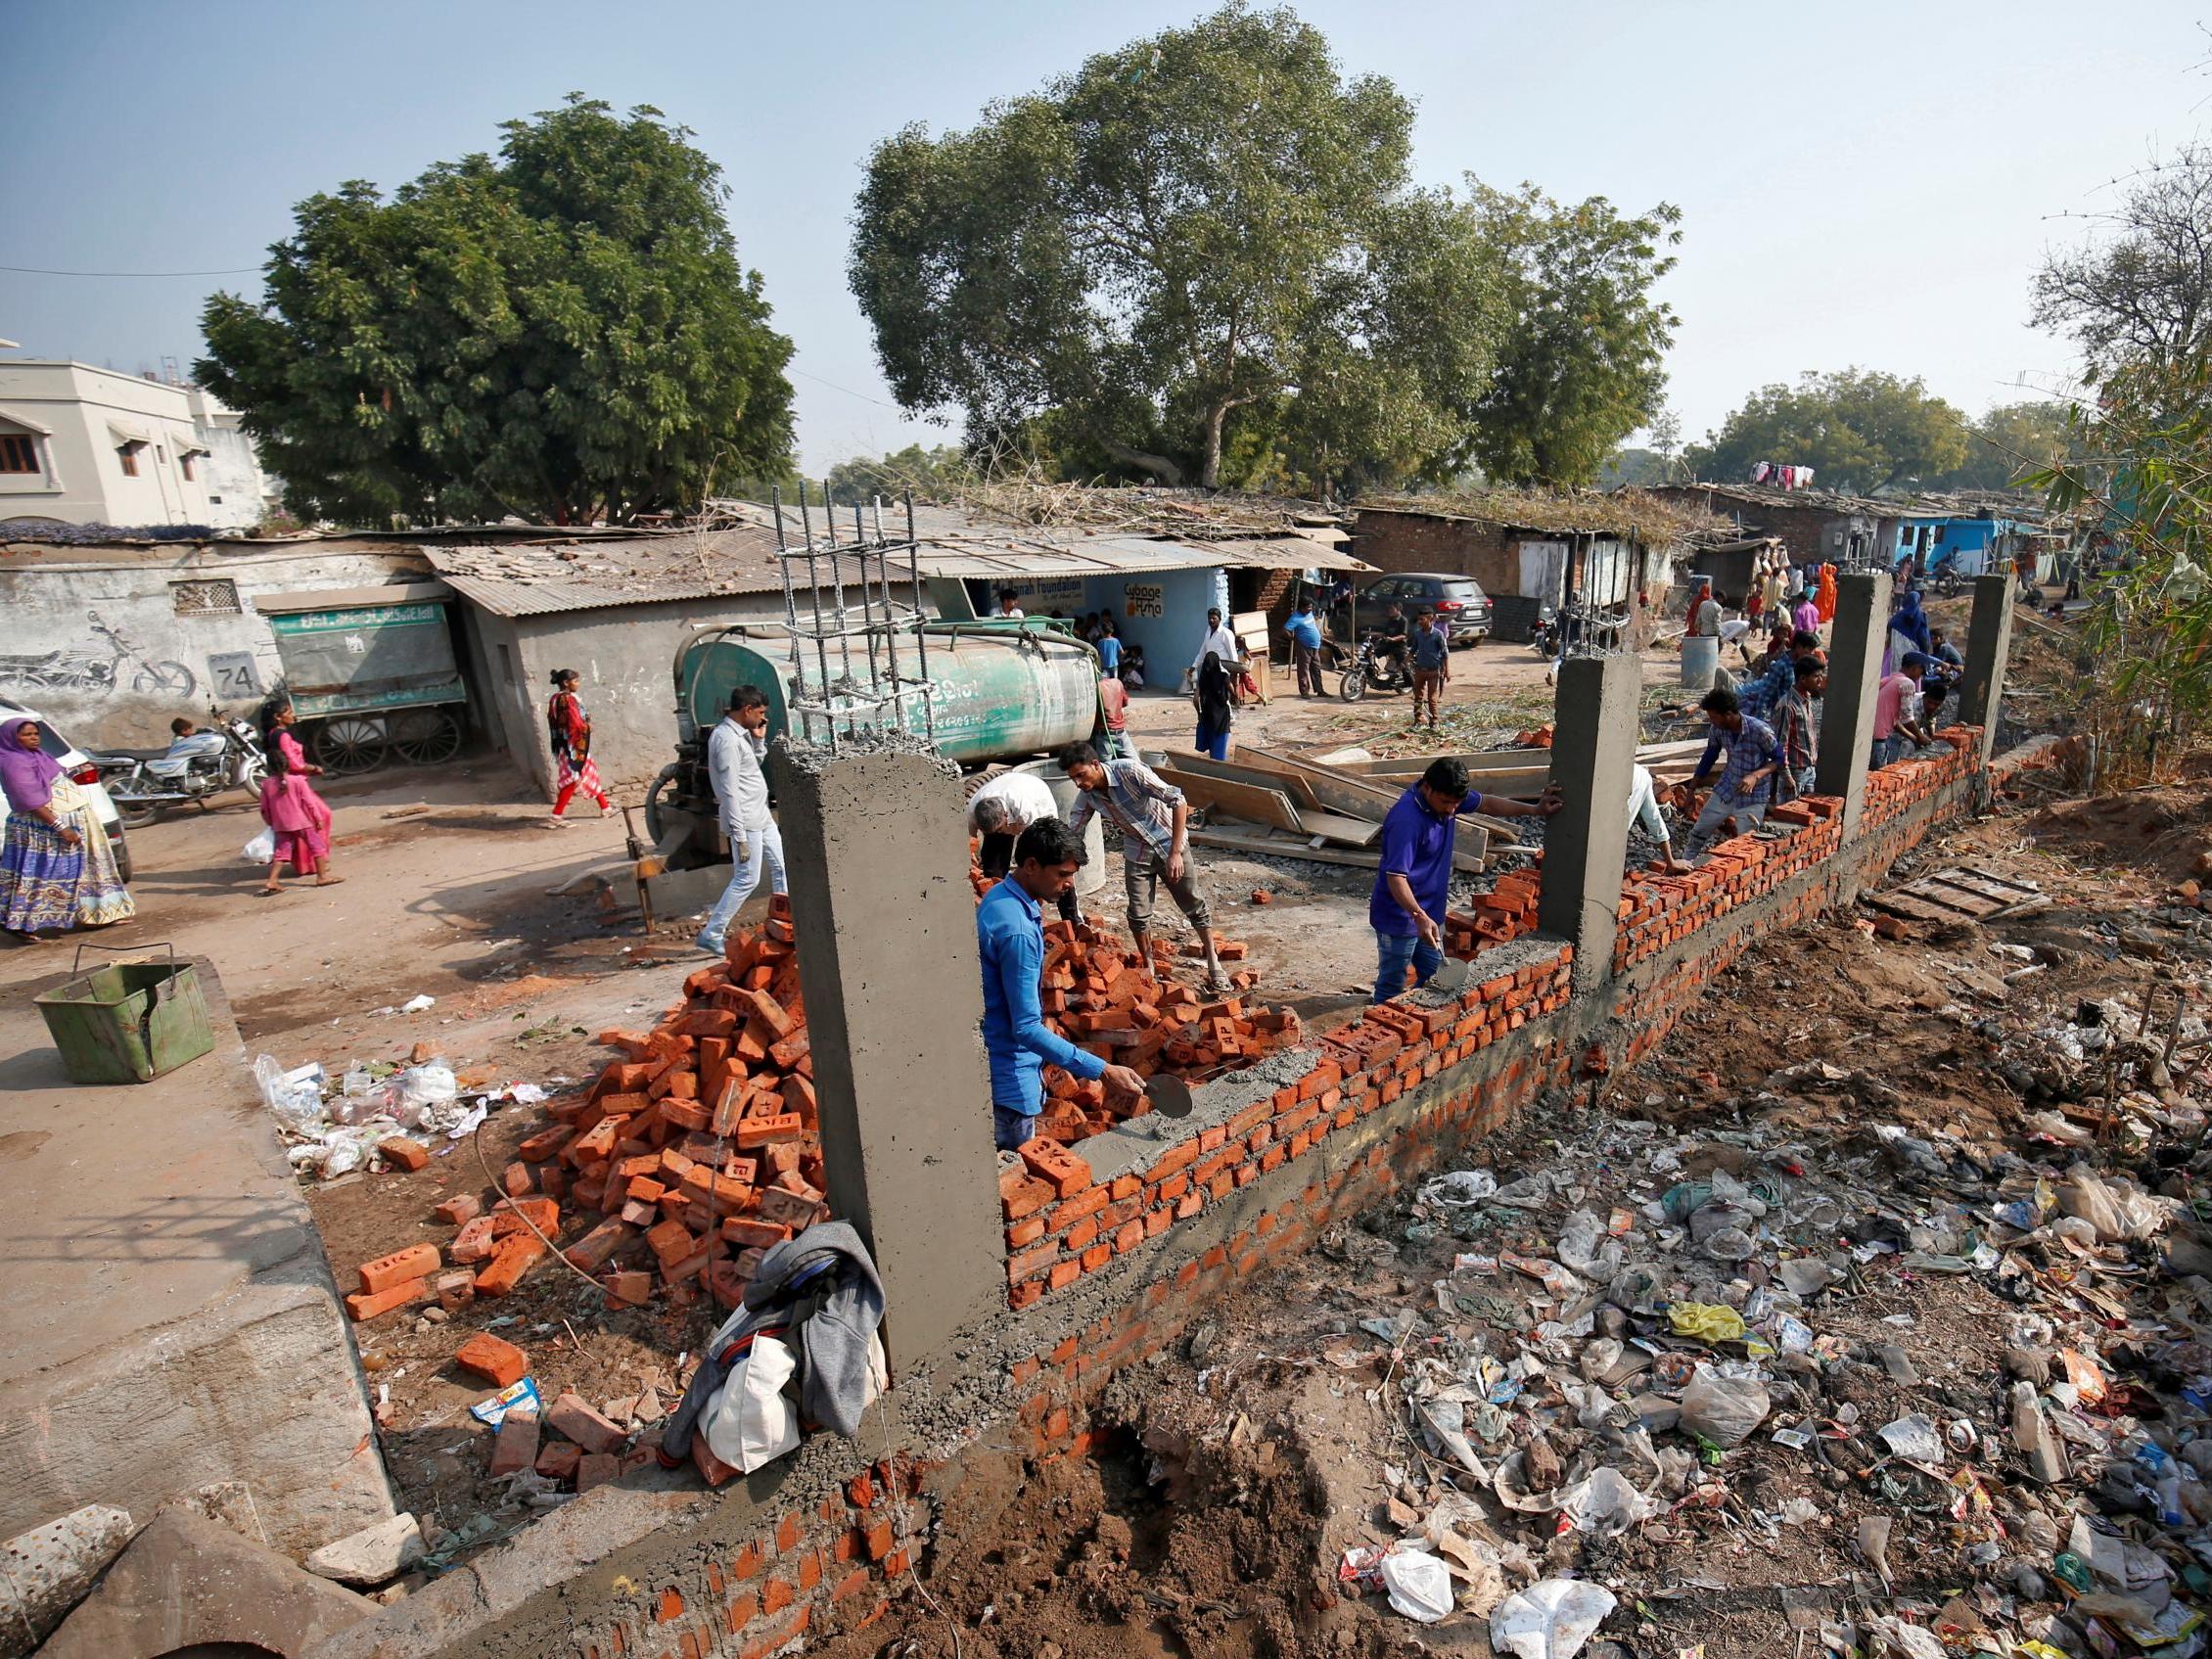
(1746, 786)
(1304, 632)
(1010, 940)
(1413, 886)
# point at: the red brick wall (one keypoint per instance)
(1422, 542)
(1385, 1099)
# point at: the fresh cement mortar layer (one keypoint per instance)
(534, 1596)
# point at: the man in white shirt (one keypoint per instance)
(1219, 641)
(999, 812)
(741, 793)
(1009, 602)
(1644, 815)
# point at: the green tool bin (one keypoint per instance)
(128, 1022)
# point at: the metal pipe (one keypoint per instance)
(921, 622)
(815, 596)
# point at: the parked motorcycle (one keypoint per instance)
(227, 756)
(1372, 667)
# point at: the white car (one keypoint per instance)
(80, 770)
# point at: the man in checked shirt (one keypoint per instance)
(1153, 818)
(1746, 786)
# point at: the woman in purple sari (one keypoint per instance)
(56, 868)
(290, 805)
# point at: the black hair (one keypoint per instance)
(1803, 641)
(1006, 593)
(1721, 700)
(1076, 754)
(1808, 666)
(1935, 692)
(745, 696)
(561, 676)
(1050, 842)
(1306, 604)
(179, 726)
(1447, 776)
(271, 751)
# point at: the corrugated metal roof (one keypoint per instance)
(600, 571)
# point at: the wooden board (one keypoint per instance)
(1352, 832)
(1241, 799)
(1285, 847)
(1361, 799)
(1242, 770)
(1961, 893)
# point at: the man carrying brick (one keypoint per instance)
(1010, 940)
(1745, 789)
(741, 795)
(1413, 886)
(1154, 821)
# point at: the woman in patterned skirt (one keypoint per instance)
(57, 869)
(569, 733)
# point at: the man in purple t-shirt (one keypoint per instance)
(1413, 886)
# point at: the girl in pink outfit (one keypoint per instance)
(290, 805)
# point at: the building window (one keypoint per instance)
(19, 452)
(184, 464)
(127, 454)
(213, 598)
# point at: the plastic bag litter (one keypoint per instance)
(417, 1003)
(1914, 1439)
(1589, 1249)
(1605, 1504)
(260, 849)
(1724, 1409)
(1530, 1192)
(1894, 1636)
(1418, 1585)
(1806, 1275)
(2116, 1208)
(1550, 1620)
(1706, 1321)
(1459, 1189)
(294, 1096)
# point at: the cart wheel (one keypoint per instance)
(349, 744)
(427, 736)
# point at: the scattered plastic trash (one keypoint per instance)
(1458, 1188)
(1419, 1585)
(1550, 1620)
(1724, 1409)
(519, 1396)
(416, 1004)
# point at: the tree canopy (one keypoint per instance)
(1201, 256)
(1860, 431)
(930, 474)
(2009, 441)
(1580, 365)
(564, 333)
(2145, 290)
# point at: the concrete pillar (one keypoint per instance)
(885, 921)
(1855, 669)
(1593, 738)
(1989, 648)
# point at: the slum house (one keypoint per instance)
(1853, 533)
(620, 608)
(112, 638)
(1530, 550)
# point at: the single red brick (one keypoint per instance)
(364, 1306)
(412, 1263)
(515, 1447)
(494, 1359)
(408, 1155)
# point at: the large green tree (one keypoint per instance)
(564, 333)
(1859, 430)
(930, 474)
(1208, 226)
(2009, 442)
(1579, 368)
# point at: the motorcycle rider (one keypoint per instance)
(1391, 641)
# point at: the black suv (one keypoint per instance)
(1458, 600)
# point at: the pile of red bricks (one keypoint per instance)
(1504, 914)
(1106, 998)
(1061, 1223)
(683, 1164)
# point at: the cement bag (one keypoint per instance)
(750, 1422)
(1724, 1409)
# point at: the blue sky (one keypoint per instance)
(1869, 184)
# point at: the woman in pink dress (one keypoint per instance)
(290, 805)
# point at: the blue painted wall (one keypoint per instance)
(1162, 611)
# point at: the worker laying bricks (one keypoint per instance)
(1746, 787)
(1154, 819)
(999, 812)
(741, 793)
(1010, 941)
(1413, 885)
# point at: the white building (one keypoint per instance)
(89, 445)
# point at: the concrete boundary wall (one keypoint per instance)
(1109, 1272)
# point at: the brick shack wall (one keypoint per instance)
(1396, 542)
(1117, 1261)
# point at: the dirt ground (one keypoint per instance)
(1240, 1470)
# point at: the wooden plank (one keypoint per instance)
(2025, 889)
(1901, 903)
(1959, 881)
(1356, 798)
(1286, 849)
(1353, 832)
(1243, 800)
(1243, 771)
